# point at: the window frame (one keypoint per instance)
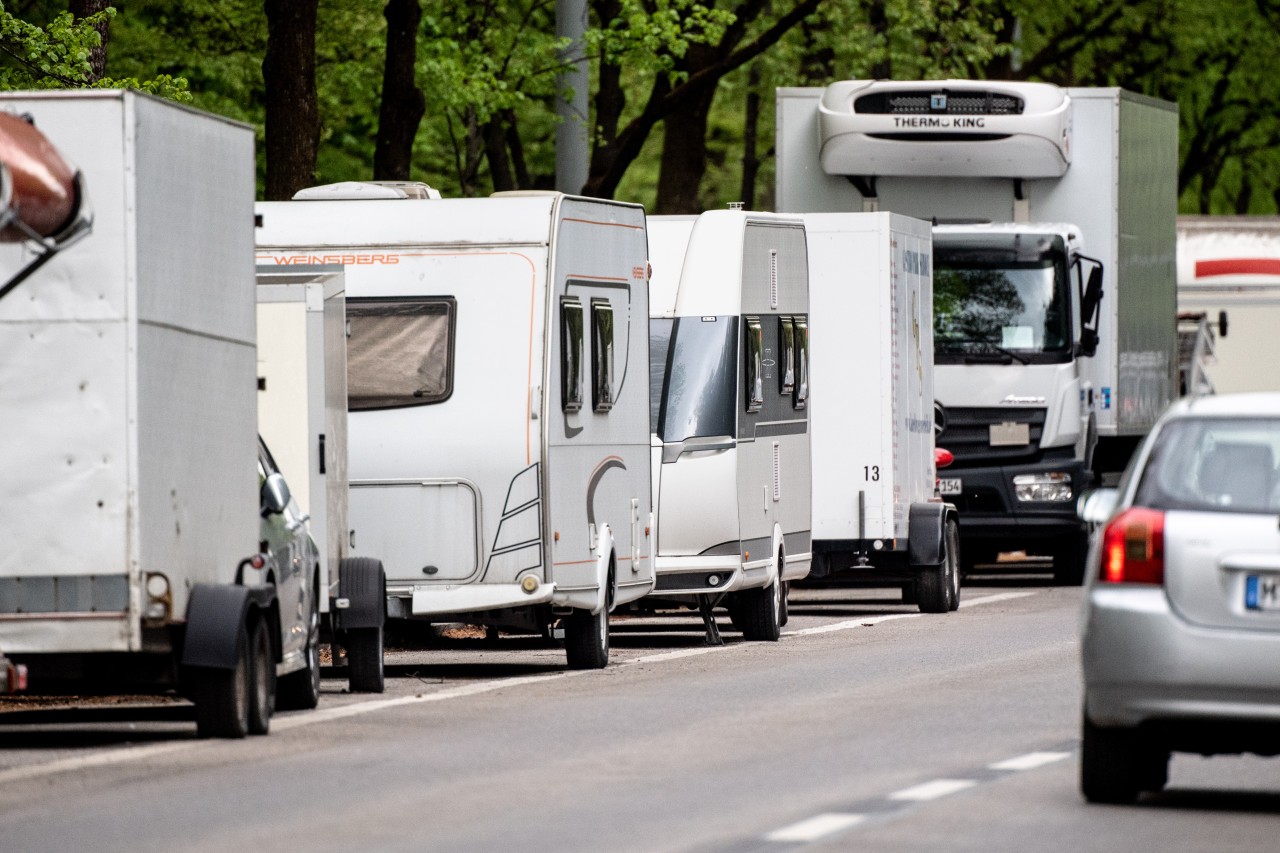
(356, 306)
(602, 352)
(753, 364)
(800, 396)
(571, 354)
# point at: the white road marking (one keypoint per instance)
(932, 790)
(1030, 761)
(818, 826)
(98, 759)
(992, 599)
(850, 623)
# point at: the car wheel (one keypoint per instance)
(365, 672)
(222, 696)
(301, 690)
(586, 639)
(1117, 764)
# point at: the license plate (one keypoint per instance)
(949, 486)
(1262, 592)
(1010, 434)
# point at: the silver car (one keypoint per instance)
(1181, 644)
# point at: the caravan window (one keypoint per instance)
(699, 390)
(602, 351)
(754, 367)
(801, 397)
(786, 355)
(571, 327)
(660, 330)
(399, 352)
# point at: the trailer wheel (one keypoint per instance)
(952, 560)
(262, 683)
(222, 695)
(586, 639)
(364, 660)
(301, 690)
(784, 615)
(762, 611)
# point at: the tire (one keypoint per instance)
(301, 690)
(222, 695)
(262, 682)
(586, 639)
(784, 615)
(365, 661)
(1068, 559)
(1116, 765)
(762, 612)
(952, 562)
(933, 589)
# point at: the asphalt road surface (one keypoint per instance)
(867, 727)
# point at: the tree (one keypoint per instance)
(292, 112)
(402, 102)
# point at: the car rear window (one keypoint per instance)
(1214, 464)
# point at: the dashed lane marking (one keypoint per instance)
(816, 827)
(1030, 761)
(934, 790)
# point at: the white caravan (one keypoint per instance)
(128, 496)
(1047, 198)
(302, 416)
(730, 391)
(1229, 269)
(498, 404)
(876, 517)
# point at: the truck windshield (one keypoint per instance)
(700, 379)
(1001, 297)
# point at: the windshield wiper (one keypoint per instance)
(989, 350)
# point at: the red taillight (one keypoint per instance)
(1133, 547)
(943, 457)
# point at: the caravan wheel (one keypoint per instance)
(761, 610)
(586, 639)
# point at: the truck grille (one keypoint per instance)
(967, 434)
(933, 102)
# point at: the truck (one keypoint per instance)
(877, 519)
(1054, 285)
(129, 502)
(498, 443)
(729, 339)
(1229, 279)
(302, 416)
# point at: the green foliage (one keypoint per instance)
(56, 56)
(651, 37)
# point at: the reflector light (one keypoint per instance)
(943, 457)
(1133, 547)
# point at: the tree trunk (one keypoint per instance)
(750, 137)
(495, 151)
(292, 112)
(98, 55)
(403, 103)
(684, 157)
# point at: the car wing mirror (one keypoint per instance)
(1096, 505)
(274, 495)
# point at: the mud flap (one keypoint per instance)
(927, 521)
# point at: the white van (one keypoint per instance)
(730, 410)
(498, 431)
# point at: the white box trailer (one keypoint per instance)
(876, 516)
(498, 399)
(730, 387)
(302, 416)
(128, 495)
(1037, 188)
(1230, 265)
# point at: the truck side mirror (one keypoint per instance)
(1090, 301)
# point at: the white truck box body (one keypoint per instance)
(127, 398)
(1121, 146)
(302, 411)
(463, 498)
(872, 344)
(1232, 264)
(716, 507)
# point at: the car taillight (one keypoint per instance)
(1133, 547)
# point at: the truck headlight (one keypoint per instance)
(1050, 486)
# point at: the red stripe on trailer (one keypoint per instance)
(1238, 266)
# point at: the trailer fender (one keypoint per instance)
(363, 586)
(927, 526)
(215, 613)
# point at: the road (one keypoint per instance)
(867, 727)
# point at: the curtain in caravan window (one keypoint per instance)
(399, 353)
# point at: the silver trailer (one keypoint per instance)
(127, 404)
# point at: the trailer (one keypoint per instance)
(302, 415)
(1229, 276)
(497, 431)
(129, 502)
(729, 320)
(1045, 199)
(877, 519)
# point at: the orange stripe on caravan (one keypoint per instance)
(606, 224)
(576, 277)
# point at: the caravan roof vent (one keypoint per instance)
(346, 190)
(945, 128)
